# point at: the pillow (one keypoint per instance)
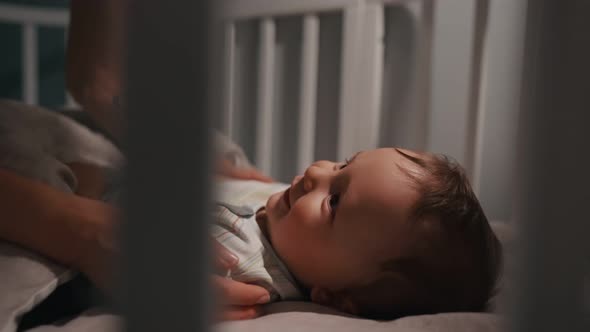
(25, 281)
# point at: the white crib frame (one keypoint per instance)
(362, 21)
(361, 70)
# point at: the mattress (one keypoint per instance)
(27, 279)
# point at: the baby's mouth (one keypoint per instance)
(286, 198)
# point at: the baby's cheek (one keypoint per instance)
(300, 254)
(293, 231)
(289, 245)
(306, 217)
(294, 234)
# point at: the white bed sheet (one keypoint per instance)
(27, 278)
(296, 317)
(291, 317)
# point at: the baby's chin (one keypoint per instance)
(275, 209)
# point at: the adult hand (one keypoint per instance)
(238, 300)
(98, 223)
(228, 169)
(95, 59)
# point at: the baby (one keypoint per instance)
(389, 232)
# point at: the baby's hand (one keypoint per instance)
(97, 228)
(239, 300)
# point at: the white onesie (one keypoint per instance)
(234, 226)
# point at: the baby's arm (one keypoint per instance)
(60, 225)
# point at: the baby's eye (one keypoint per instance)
(334, 200)
(344, 164)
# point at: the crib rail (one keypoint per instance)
(358, 110)
(309, 68)
(358, 106)
(237, 10)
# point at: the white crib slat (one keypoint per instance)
(29, 63)
(349, 94)
(265, 95)
(309, 75)
(229, 81)
(424, 73)
(476, 115)
(372, 76)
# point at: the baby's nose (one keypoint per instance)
(323, 164)
(315, 175)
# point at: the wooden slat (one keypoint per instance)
(349, 94)
(424, 73)
(265, 95)
(229, 81)
(29, 64)
(308, 98)
(371, 77)
(476, 109)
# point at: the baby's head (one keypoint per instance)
(388, 233)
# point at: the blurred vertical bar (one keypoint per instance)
(308, 98)
(475, 108)
(554, 169)
(265, 95)
(229, 81)
(30, 64)
(165, 249)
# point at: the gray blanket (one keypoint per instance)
(38, 143)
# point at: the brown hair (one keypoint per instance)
(456, 265)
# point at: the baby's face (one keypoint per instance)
(339, 222)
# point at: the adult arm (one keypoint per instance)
(79, 232)
(94, 59)
(59, 225)
(94, 78)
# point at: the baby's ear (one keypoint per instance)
(337, 300)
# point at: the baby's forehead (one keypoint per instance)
(386, 216)
(385, 193)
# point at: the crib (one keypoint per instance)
(307, 80)
(316, 62)
(297, 87)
